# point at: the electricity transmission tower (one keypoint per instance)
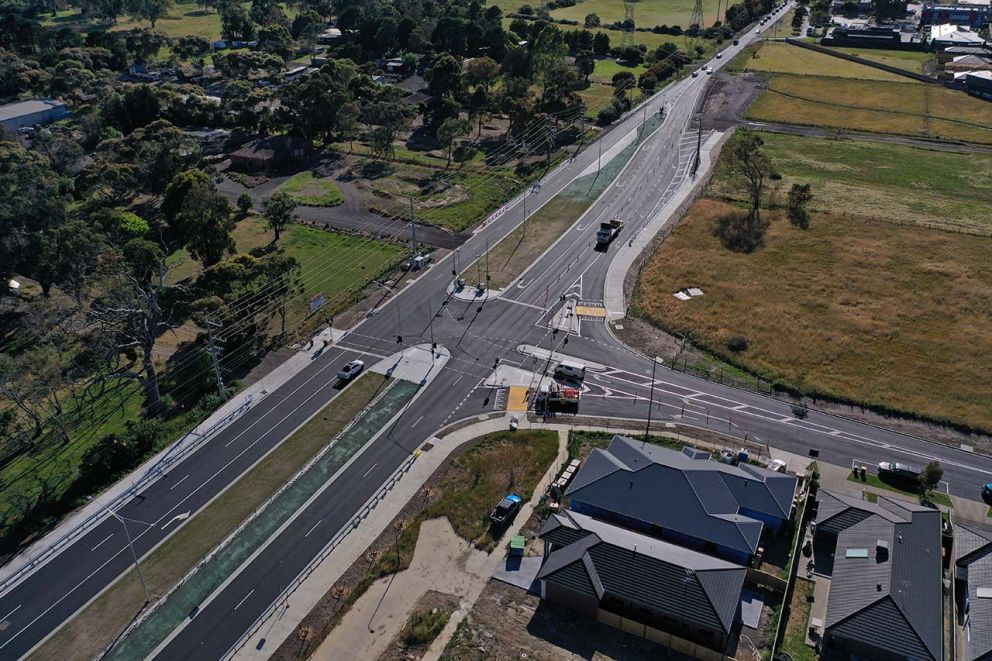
(695, 26)
(628, 23)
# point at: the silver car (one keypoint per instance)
(351, 370)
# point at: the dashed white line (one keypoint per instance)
(370, 470)
(245, 598)
(101, 542)
(178, 483)
(5, 617)
(417, 422)
(312, 529)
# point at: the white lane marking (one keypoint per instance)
(417, 422)
(312, 529)
(457, 380)
(245, 598)
(370, 470)
(178, 483)
(7, 616)
(101, 542)
(179, 517)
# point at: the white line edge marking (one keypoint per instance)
(244, 599)
(99, 544)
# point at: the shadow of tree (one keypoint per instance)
(741, 231)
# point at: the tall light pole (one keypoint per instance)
(647, 429)
(454, 257)
(130, 544)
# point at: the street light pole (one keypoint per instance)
(647, 429)
(130, 544)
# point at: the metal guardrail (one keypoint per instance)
(151, 475)
(283, 598)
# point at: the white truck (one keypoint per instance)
(608, 231)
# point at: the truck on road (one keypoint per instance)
(556, 393)
(608, 231)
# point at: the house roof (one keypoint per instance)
(973, 556)
(712, 497)
(604, 559)
(264, 149)
(891, 597)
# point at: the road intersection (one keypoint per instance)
(479, 334)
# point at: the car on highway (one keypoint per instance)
(695, 74)
(351, 370)
(736, 41)
(709, 70)
(505, 510)
(719, 55)
(758, 31)
(896, 471)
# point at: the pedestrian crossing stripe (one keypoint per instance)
(590, 310)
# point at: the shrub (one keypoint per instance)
(737, 343)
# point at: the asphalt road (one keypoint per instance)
(476, 335)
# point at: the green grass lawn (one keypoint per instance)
(607, 68)
(311, 191)
(938, 497)
(648, 13)
(915, 61)
(886, 181)
(780, 57)
(794, 642)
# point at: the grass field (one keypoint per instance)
(915, 61)
(95, 627)
(780, 57)
(647, 13)
(885, 181)
(309, 190)
(884, 107)
(607, 68)
(853, 307)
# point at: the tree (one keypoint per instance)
(601, 44)
(585, 64)
(150, 10)
(548, 52)
(137, 106)
(930, 477)
(69, 256)
(799, 198)
(451, 129)
(235, 24)
(241, 65)
(199, 218)
(445, 87)
(275, 39)
(750, 165)
(278, 210)
(482, 72)
(592, 21)
(245, 204)
(191, 48)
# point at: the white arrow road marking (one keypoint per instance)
(179, 517)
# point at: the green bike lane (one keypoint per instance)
(183, 603)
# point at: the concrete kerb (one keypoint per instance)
(95, 511)
(616, 274)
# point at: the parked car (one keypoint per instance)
(897, 471)
(506, 510)
(987, 492)
(777, 465)
(351, 370)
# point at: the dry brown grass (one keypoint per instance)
(855, 307)
(96, 626)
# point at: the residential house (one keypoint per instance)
(640, 584)
(886, 579)
(979, 83)
(943, 36)
(973, 588)
(271, 152)
(683, 497)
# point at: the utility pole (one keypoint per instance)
(487, 263)
(600, 165)
(647, 429)
(413, 233)
(218, 376)
(699, 146)
(130, 544)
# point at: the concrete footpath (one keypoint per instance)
(52, 543)
(628, 252)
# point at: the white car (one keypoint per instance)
(758, 31)
(719, 55)
(351, 370)
(709, 70)
(777, 465)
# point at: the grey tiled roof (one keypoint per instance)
(892, 598)
(630, 480)
(667, 578)
(973, 556)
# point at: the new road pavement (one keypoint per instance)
(476, 333)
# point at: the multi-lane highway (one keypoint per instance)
(476, 334)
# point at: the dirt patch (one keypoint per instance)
(509, 623)
(407, 645)
(728, 97)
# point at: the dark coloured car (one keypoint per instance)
(899, 472)
(505, 511)
(987, 492)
